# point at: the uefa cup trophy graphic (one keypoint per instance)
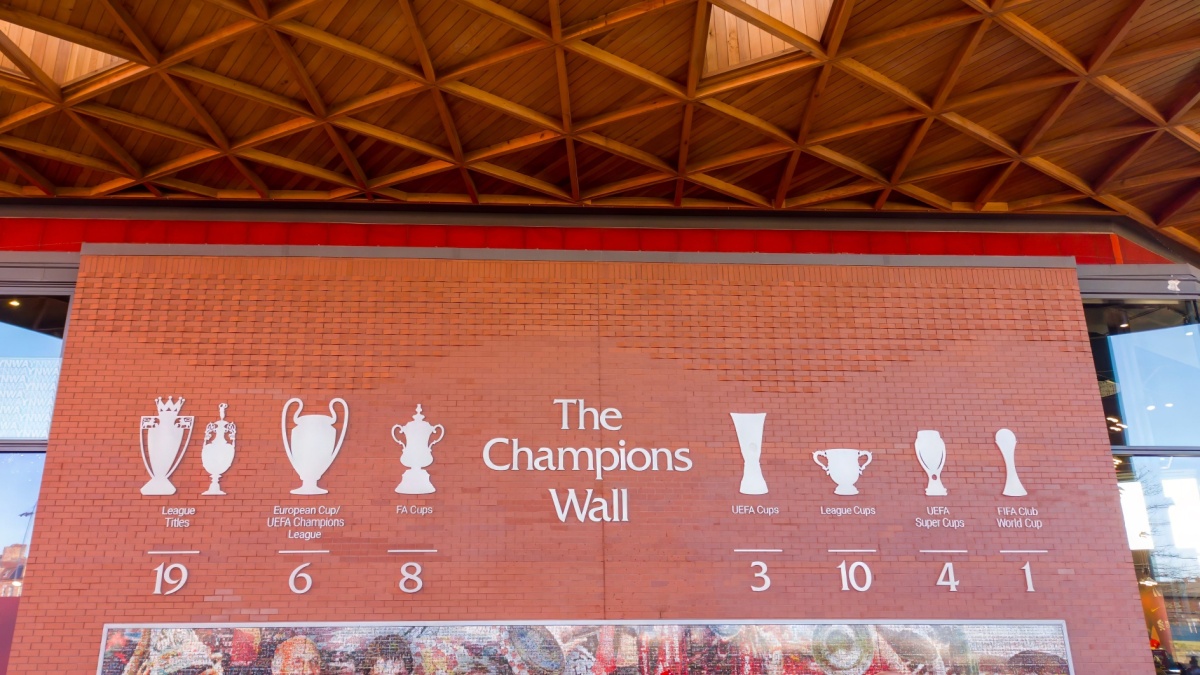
(162, 450)
(1006, 440)
(314, 443)
(217, 453)
(841, 464)
(417, 453)
(931, 453)
(749, 428)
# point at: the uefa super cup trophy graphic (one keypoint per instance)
(749, 428)
(842, 465)
(220, 437)
(314, 443)
(931, 453)
(162, 450)
(1006, 440)
(417, 453)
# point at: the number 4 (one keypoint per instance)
(947, 577)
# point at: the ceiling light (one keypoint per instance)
(1150, 407)
(1114, 420)
(1114, 428)
(1124, 325)
(1148, 582)
(14, 303)
(1189, 333)
(1170, 405)
(1123, 426)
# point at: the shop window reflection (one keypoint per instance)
(1160, 499)
(31, 338)
(20, 479)
(1147, 360)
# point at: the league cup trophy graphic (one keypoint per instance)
(314, 443)
(749, 428)
(931, 453)
(1006, 440)
(841, 464)
(163, 433)
(217, 453)
(417, 453)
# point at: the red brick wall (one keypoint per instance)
(837, 357)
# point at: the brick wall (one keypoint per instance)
(847, 357)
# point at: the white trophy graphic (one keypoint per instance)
(314, 443)
(931, 453)
(749, 432)
(842, 465)
(1007, 442)
(217, 453)
(417, 453)
(162, 450)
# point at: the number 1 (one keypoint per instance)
(1028, 578)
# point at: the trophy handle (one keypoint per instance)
(345, 424)
(816, 458)
(440, 436)
(283, 424)
(397, 438)
(867, 454)
(148, 422)
(186, 423)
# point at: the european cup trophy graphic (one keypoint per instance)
(314, 444)
(162, 451)
(220, 437)
(1006, 440)
(749, 428)
(931, 453)
(417, 453)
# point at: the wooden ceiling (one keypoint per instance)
(1018, 106)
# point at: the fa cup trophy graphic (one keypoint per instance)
(217, 453)
(314, 443)
(749, 428)
(931, 453)
(417, 453)
(162, 450)
(1006, 440)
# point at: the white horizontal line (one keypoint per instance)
(172, 552)
(1027, 551)
(944, 551)
(758, 550)
(412, 550)
(304, 551)
(853, 550)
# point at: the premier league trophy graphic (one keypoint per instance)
(217, 453)
(1006, 440)
(931, 453)
(417, 453)
(749, 428)
(162, 450)
(314, 443)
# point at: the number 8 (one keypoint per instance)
(411, 571)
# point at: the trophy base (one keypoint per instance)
(1013, 488)
(310, 489)
(936, 489)
(415, 482)
(845, 490)
(159, 487)
(213, 492)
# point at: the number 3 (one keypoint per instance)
(761, 574)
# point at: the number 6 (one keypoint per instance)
(297, 574)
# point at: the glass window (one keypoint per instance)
(31, 337)
(1160, 500)
(20, 479)
(1147, 358)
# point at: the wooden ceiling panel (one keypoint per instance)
(1028, 183)
(597, 89)
(1079, 27)
(1161, 22)
(780, 101)
(1003, 58)
(530, 82)
(1027, 106)
(847, 100)
(919, 63)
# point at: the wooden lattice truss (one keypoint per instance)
(1036, 106)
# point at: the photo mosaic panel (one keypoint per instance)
(677, 649)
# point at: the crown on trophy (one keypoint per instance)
(170, 406)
